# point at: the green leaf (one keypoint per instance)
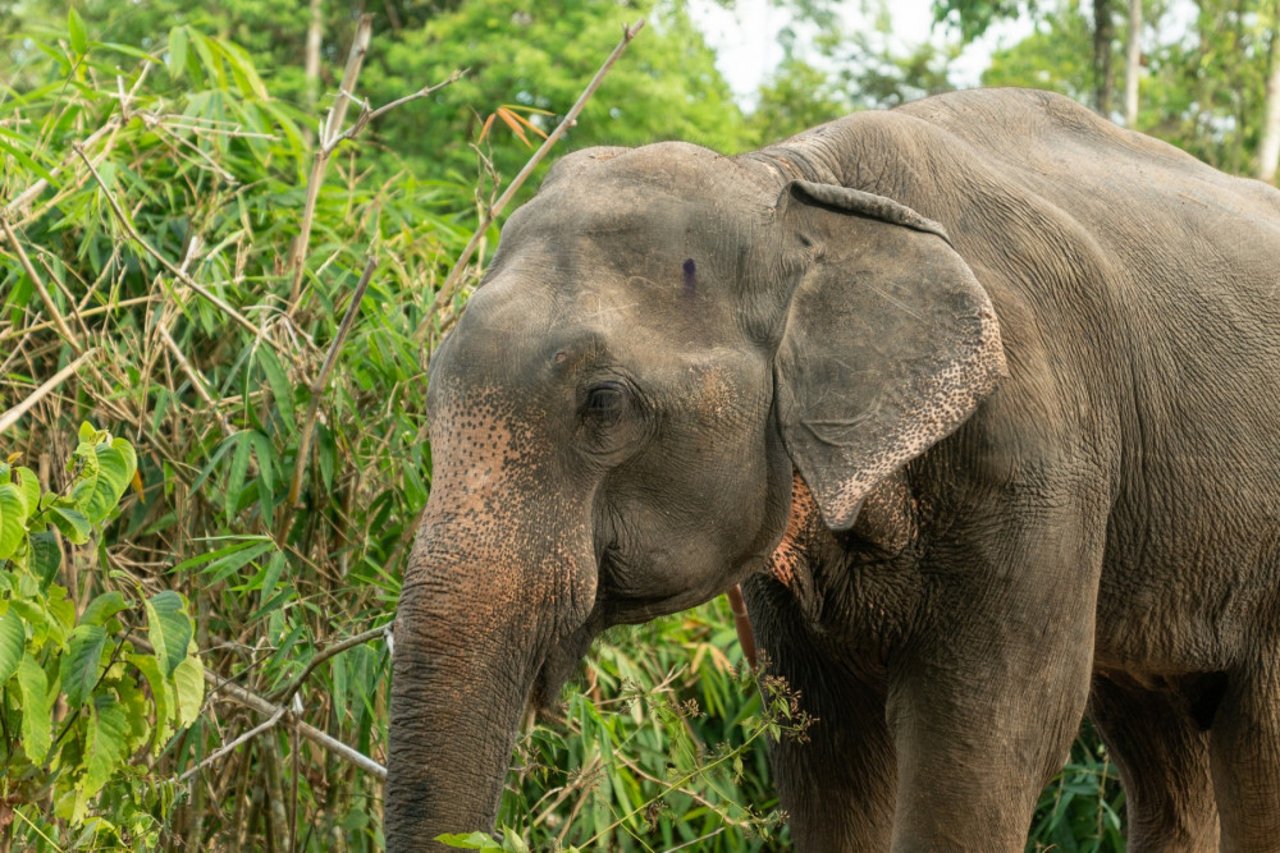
(81, 663)
(161, 694)
(75, 27)
(37, 709)
(13, 519)
(46, 556)
(30, 485)
(104, 751)
(169, 629)
(189, 680)
(71, 522)
(13, 639)
(469, 840)
(176, 61)
(98, 491)
(103, 607)
(281, 387)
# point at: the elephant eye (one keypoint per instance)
(605, 402)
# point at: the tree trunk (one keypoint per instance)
(311, 66)
(1104, 73)
(1269, 147)
(1132, 64)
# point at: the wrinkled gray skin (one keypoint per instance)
(1045, 454)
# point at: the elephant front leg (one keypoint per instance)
(986, 696)
(837, 782)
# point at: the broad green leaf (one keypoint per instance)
(106, 737)
(103, 607)
(75, 28)
(30, 485)
(13, 519)
(189, 680)
(46, 556)
(88, 434)
(97, 493)
(161, 694)
(13, 639)
(37, 709)
(176, 61)
(169, 629)
(469, 841)
(81, 664)
(71, 522)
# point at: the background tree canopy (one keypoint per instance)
(215, 321)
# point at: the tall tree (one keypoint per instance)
(1269, 147)
(1132, 63)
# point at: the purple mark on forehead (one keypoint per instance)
(690, 276)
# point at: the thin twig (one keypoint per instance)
(252, 700)
(197, 381)
(285, 694)
(317, 388)
(10, 417)
(454, 279)
(337, 113)
(223, 750)
(38, 283)
(165, 262)
(367, 115)
(49, 324)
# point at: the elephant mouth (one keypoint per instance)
(560, 665)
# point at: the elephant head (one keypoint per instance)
(664, 337)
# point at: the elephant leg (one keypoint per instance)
(988, 692)
(1163, 756)
(1245, 748)
(837, 782)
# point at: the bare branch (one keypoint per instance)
(337, 113)
(10, 417)
(283, 696)
(223, 750)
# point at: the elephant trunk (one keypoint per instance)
(474, 632)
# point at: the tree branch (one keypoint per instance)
(285, 694)
(10, 417)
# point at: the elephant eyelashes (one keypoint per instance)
(605, 403)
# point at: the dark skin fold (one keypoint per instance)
(978, 398)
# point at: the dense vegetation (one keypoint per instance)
(237, 277)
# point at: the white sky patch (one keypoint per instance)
(747, 49)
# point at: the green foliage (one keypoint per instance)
(82, 677)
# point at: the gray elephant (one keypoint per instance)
(978, 398)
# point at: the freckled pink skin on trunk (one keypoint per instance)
(469, 645)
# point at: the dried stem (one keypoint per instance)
(38, 283)
(10, 417)
(284, 695)
(317, 388)
(244, 738)
(454, 279)
(337, 113)
(165, 262)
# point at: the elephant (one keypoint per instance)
(977, 398)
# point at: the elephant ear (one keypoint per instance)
(889, 343)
